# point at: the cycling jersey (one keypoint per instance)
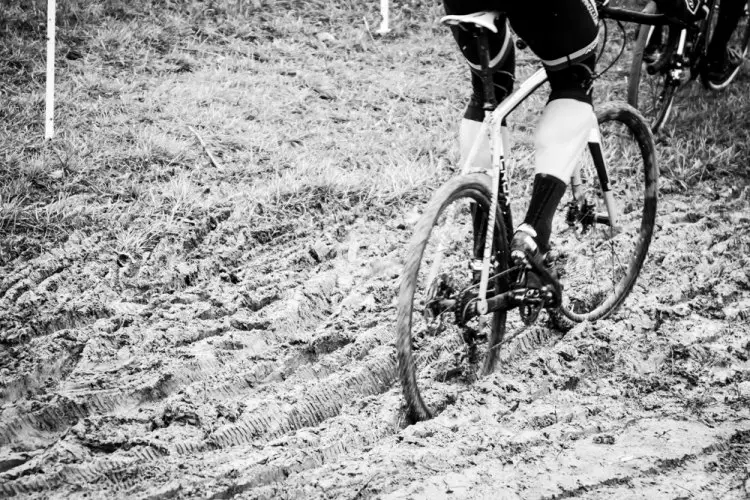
(562, 33)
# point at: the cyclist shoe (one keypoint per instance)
(523, 246)
(524, 250)
(722, 70)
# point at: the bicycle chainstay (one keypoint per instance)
(530, 300)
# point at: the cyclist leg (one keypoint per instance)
(721, 61)
(563, 33)
(502, 61)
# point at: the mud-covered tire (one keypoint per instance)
(652, 95)
(633, 171)
(474, 188)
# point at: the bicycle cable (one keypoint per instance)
(604, 44)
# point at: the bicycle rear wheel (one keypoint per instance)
(596, 268)
(738, 42)
(651, 88)
(434, 349)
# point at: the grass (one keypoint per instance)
(306, 110)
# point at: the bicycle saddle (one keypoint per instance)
(484, 19)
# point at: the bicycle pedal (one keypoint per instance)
(519, 258)
(530, 313)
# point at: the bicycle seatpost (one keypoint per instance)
(483, 45)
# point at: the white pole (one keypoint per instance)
(49, 130)
(385, 17)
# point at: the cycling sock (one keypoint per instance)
(546, 195)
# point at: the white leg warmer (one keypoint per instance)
(561, 135)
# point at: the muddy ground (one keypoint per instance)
(252, 356)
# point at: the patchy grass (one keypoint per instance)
(294, 99)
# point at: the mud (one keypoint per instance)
(280, 382)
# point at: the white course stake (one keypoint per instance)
(384, 14)
(49, 115)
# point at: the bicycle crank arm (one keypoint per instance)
(438, 307)
(507, 301)
(500, 302)
(552, 290)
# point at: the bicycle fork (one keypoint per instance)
(612, 218)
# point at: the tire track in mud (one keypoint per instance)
(321, 401)
(324, 356)
(43, 279)
(294, 461)
(529, 340)
(31, 274)
(291, 463)
(33, 301)
(64, 288)
(315, 404)
(71, 405)
(310, 395)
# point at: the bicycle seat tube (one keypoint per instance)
(483, 44)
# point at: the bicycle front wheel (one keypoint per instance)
(436, 348)
(598, 258)
(651, 89)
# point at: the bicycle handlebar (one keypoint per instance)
(630, 16)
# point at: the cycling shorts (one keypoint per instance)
(562, 33)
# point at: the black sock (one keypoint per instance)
(547, 193)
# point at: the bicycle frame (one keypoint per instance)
(627, 15)
(492, 126)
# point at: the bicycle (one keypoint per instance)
(680, 54)
(459, 287)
